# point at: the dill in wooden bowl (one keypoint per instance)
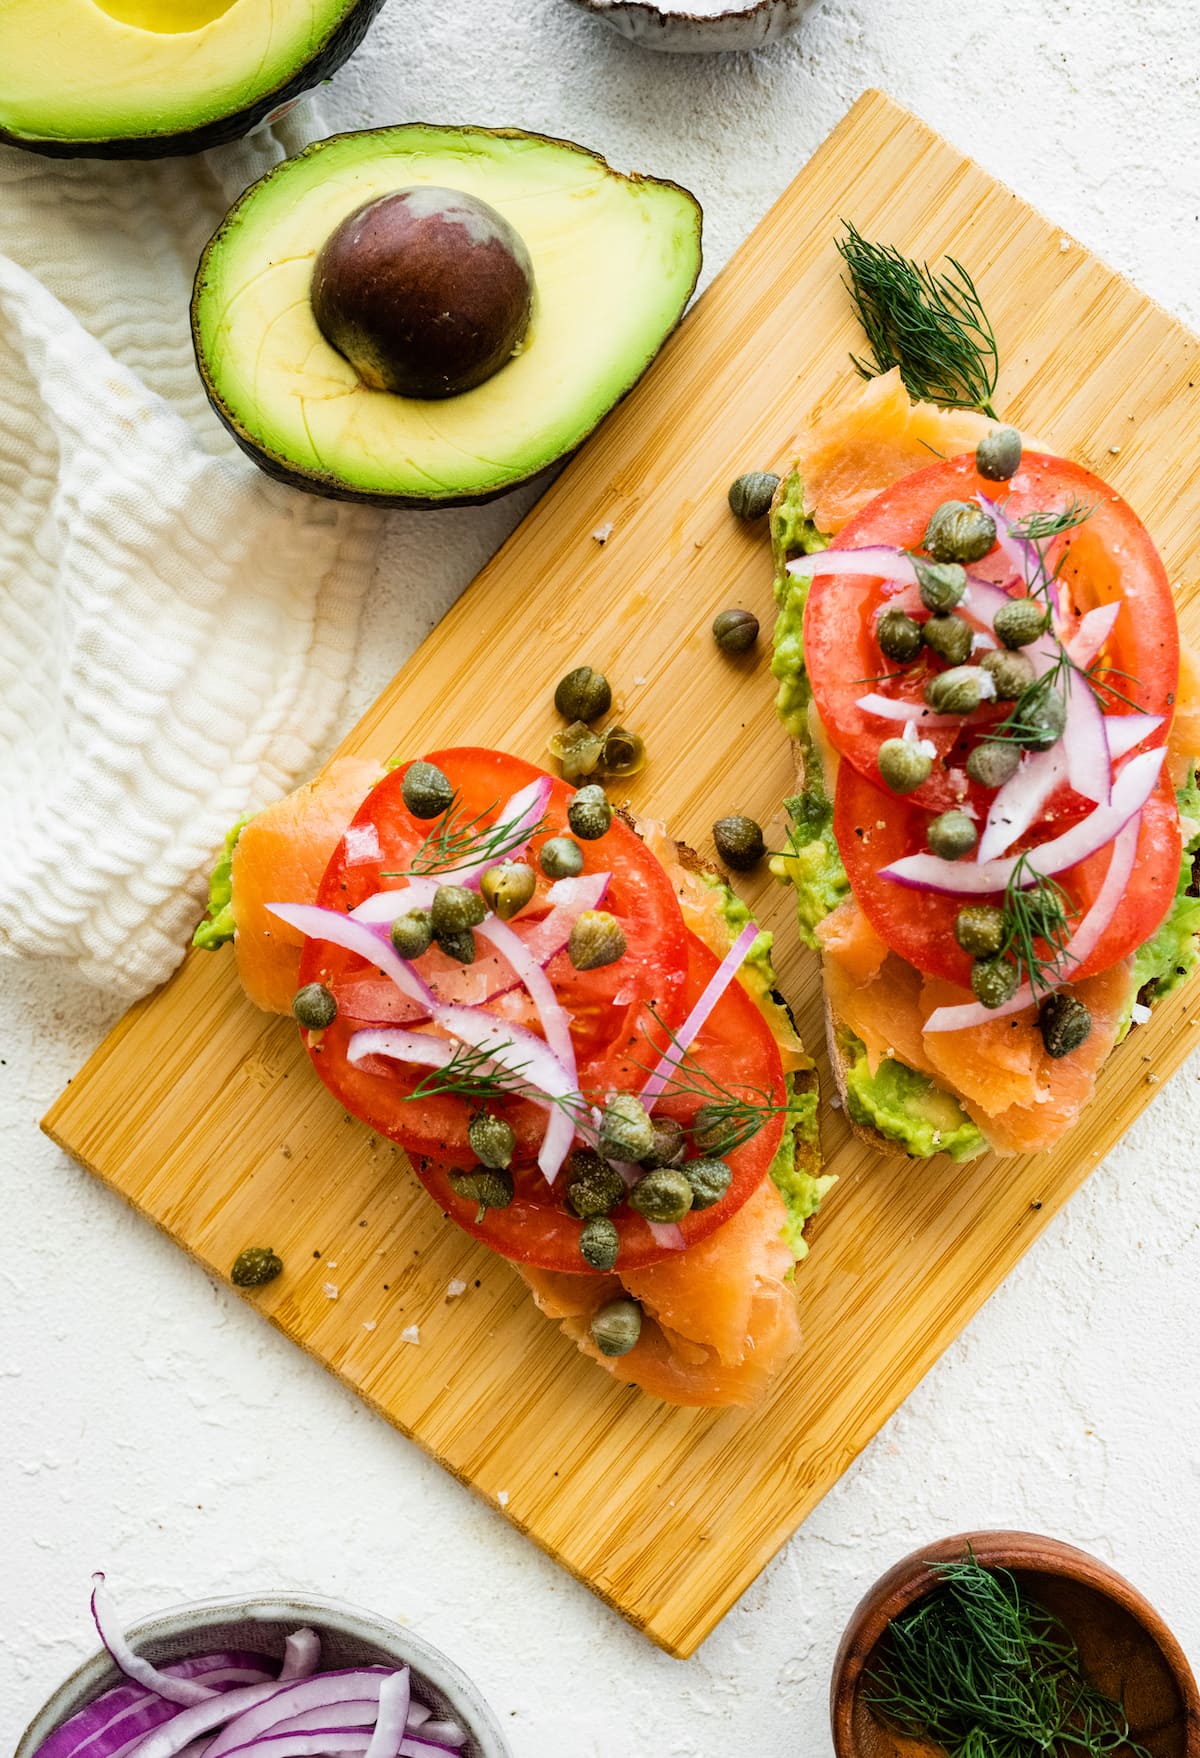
(1007, 1645)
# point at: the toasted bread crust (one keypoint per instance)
(866, 1133)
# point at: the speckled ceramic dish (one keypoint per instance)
(685, 33)
(349, 1637)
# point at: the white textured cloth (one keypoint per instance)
(176, 629)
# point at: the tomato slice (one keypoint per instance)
(605, 1006)
(874, 828)
(736, 1051)
(1111, 556)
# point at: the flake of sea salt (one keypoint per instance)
(602, 533)
(368, 1324)
(330, 1291)
(455, 1288)
(502, 1497)
(411, 1334)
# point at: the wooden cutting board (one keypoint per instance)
(205, 1116)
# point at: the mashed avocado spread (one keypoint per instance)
(906, 1106)
(812, 864)
(798, 1154)
(217, 927)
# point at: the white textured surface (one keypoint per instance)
(151, 1423)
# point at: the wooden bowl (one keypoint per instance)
(1126, 1649)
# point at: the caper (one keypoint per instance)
(1042, 714)
(709, 1179)
(994, 762)
(1011, 673)
(561, 858)
(1064, 1022)
(507, 888)
(664, 1195)
(492, 1141)
(735, 631)
(1045, 910)
(426, 790)
(626, 1132)
(583, 694)
(616, 1327)
(593, 1186)
(942, 584)
(599, 1242)
(710, 1129)
(903, 765)
(998, 454)
(958, 531)
(578, 750)
(1020, 621)
(457, 943)
(981, 929)
(255, 1267)
(739, 841)
(670, 1145)
(622, 752)
(455, 908)
(994, 981)
(314, 1007)
(751, 495)
(411, 933)
(957, 691)
(899, 636)
(596, 939)
(488, 1187)
(590, 813)
(952, 835)
(950, 638)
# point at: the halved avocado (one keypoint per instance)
(614, 261)
(146, 79)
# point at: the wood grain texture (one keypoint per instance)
(205, 1116)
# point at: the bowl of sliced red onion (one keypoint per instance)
(275, 1676)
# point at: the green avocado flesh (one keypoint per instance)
(614, 260)
(218, 925)
(800, 1188)
(906, 1106)
(97, 73)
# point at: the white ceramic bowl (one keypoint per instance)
(683, 33)
(349, 1637)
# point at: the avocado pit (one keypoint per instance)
(427, 292)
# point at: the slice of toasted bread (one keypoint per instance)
(838, 1064)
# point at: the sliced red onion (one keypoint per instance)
(981, 600)
(200, 1718)
(713, 990)
(323, 1691)
(529, 1056)
(443, 1733)
(399, 1045)
(383, 907)
(1080, 946)
(126, 1713)
(910, 713)
(1085, 743)
(342, 930)
(331, 1741)
(668, 1235)
(393, 1716)
(1131, 790)
(173, 1687)
(1021, 551)
(361, 842)
(523, 813)
(418, 1746)
(1019, 803)
(301, 1655)
(1125, 732)
(878, 561)
(1094, 629)
(357, 1712)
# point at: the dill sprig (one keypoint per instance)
(459, 841)
(932, 326)
(1036, 908)
(1044, 527)
(728, 1116)
(473, 1073)
(986, 1672)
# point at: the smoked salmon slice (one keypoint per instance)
(281, 857)
(720, 1319)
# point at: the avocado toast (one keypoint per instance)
(1024, 1006)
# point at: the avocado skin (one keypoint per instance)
(336, 49)
(331, 487)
